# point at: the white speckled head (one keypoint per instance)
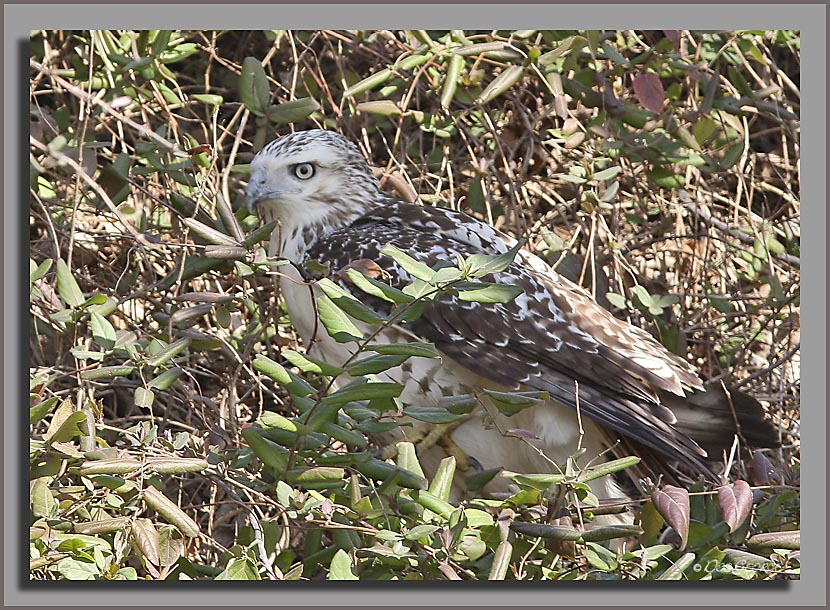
(308, 179)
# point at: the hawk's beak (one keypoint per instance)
(258, 191)
(255, 191)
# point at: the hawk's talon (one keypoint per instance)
(426, 437)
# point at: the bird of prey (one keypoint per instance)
(610, 384)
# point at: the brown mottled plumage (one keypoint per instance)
(552, 338)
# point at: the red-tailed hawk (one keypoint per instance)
(552, 338)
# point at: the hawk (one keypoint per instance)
(611, 384)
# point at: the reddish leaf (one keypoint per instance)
(763, 471)
(674, 36)
(365, 266)
(673, 505)
(649, 91)
(448, 572)
(522, 434)
(735, 502)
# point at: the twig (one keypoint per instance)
(706, 216)
(91, 99)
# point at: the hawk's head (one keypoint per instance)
(311, 180)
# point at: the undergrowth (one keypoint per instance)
(178, 429)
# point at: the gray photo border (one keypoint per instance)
(809, 18)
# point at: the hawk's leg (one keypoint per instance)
(427, 436)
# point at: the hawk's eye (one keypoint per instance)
(304, 171)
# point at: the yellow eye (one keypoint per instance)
(304, 171)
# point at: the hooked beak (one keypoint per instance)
(257, 191)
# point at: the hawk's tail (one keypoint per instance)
(714, 416)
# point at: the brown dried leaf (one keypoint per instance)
(649, 91)
(777, 540)
(673, 505)
(146, 539)
(365, 266)
(735, 502)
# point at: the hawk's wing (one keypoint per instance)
(546, 339)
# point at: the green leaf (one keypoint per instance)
(68, 288)
(102, 331)
(171, 512)
(42, 409)
(165, 379)
(348, 303)
(143, 397)
(43, 502)
(432, 415)
(643, 296)
(376, 288)
(344, 435)
(310, 364)
(704, 129)
(107, 372)
(421, 350)
(293, 111)
(337, 324)
(441, 484)
(73, 569)
(282, 376)
(506, 79)
(535, 481)
(268, 452)
(480, 265)
(372, 365)
(370, 82)
(363, 391)
(433, 502)
(209, 233)
(380, 107)
(208, 98)
(413, 267)
(254, 90)
(617, 300)
(510, 403)
(421, 531)
(595, 472)
(542, 530)
(600, 558)
(731, 156)
(240, 568)
(169, 352)
(559, 51)
(341, 567)
(408, 458)
(666, 178)
(501, 561)
(271, 420)
(675, 571)
(483, 292)
(36, 272)
(611, 532)
(382, 471)
(318, 477)
(68, 429)
(448, 89)
(607, 174)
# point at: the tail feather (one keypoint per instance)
(715, 415)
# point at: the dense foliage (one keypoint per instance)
(178, 429)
